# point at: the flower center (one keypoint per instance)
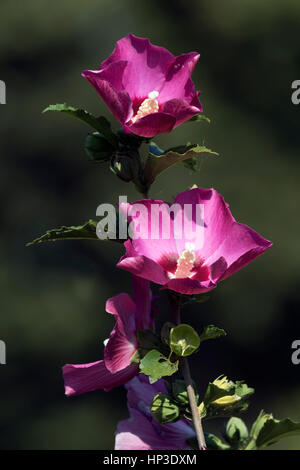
(149, 105)
(185, 262)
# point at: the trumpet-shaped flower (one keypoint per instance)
(141, 431)
(147, 89)
(116, 368)
(190, 246)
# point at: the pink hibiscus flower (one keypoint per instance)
(210, 248)
(147, 89)
(116, 368)
(141, 431)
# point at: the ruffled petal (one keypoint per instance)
(147, 65)
(108, 84)
(122, 341)
(178, 83)
(83, 378)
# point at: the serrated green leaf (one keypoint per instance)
(156, 366)
(164, 409)
(212, 332)
(242, 390)
(274, 429)
(184, 340)
(156, 164)
(85, 231)
(101, 124)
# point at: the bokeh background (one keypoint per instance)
(53, 295)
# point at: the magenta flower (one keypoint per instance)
(147, 89)
(116, 368)
(212, 246)
(141, 431)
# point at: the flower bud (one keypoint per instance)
(125, 166)
(236, 431)
(223, 382)
(98, 148)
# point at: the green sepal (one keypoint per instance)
(100, 124)
(156, 365)
(164, 409)
(86, 231)
(184, 340)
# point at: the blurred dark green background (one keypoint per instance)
(53, 295)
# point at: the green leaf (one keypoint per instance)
(85, 231)
(101, 124)
(180, 394)
(199, 118)
(242, 390)
(147, 341)
(258, 424)
(184, 340)
(164, 409)
(212, 332)
(214, 443)
(156, 164)
(274, 429)
(156, 366)
(236, 432)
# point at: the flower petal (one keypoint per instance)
(189, 286)
(141, 265)
(142, 297)
(108, 84)
(217, 219)
(147, 65)
(180, 109)
(241, 247)
(122, 341)
(178, 83)
(151, 125)
(82, 378)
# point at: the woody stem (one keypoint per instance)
(185, 368)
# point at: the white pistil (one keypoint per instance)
(185, 262)
(149, 105)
